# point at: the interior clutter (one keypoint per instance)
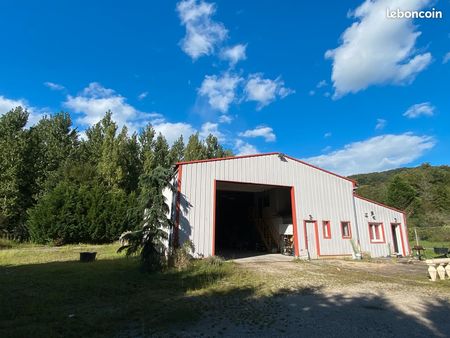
(253, 218)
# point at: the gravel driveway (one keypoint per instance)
(338, 298)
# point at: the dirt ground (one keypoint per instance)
(338, 298)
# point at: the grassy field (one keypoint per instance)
(46, 292)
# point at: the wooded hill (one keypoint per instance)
(423, 192)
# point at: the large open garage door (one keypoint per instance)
(252, 219)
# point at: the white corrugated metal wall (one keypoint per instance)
(318, 195)
(370, 212)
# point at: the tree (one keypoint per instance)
(177, 151)
(148, 239)
(400, 193)
(53, 141)
(15, 196)
(194, 149)
(161, 153)
(147, 145)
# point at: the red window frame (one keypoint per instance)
(349, 236)
(326, 228)
(380, 233)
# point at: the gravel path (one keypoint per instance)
(334, 298)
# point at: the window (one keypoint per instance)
(346, 230)
(376, 233)
(326, 229)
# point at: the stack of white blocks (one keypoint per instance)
(443, 267)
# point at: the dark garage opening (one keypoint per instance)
(252, 219)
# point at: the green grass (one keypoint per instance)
(429, 245)
(46, 292)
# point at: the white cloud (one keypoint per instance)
(321, 84)
(234, 54)
(172, 131)
(225, 118)
(8, 104)
(375, 154)
(381, 123)
(142, 95)
(95, 100)
(244, 148)
(54, 86)
(265, 91)
(420, 109)
(312, 93)
(446, 58)
(327, 135)
(220, 91)
(260, 131)
(211, 128)
(202, 33)
(34, 116)
(377, 50)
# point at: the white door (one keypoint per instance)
(311, 240)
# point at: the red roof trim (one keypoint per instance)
(378, 203)
(328, 172)
(266, 154)
(224, 158)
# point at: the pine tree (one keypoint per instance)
(161, 153)
(194, 149)
(148, 239)
(147, 146)
(400, 193)
(15, 196)
(177, 151)
(53, 141)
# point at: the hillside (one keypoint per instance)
(423, 192)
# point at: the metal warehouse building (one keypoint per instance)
(276, 203)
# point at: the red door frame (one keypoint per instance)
(293, 207)
(399, 225)
(316, 234)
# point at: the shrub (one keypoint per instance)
(181, 258)
(74, 213)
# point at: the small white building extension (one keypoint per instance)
(276, 203)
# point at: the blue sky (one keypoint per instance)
(334, 82)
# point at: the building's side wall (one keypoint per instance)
(318, 195)
(369, 212)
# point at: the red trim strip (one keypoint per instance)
(324, 170)
(294, 223)
(378, 203)
(349, 230)
(225, 158)
(401, 236)
(256, 183)
(176, 239)
(213, 248)
(267, 154)
(316, 234)
(407, 239)
(406, 232)
(326, 225)
(374, 240)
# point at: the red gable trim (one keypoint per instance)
(378, 203)
(267, 154)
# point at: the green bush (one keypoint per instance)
(74, 213)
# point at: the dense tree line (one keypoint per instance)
(423, 192)
(56, 187)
